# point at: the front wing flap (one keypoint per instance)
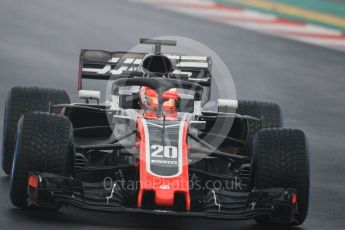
(278, 203)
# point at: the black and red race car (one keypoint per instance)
(152, 147)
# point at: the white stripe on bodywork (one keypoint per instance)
(105, 70)
(137, 61)
(193, 64)
(194, 58)
(119, 71)
(177, 71)
(93, 70)
(114, 60)
(186, 58)
(129, 61)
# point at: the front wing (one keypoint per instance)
(45, 190)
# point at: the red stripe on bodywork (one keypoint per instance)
(164, 189)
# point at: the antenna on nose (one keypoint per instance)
(157, 44)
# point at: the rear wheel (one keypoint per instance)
(19, 101)
(282, 160)
(270, 113)
(43, 145)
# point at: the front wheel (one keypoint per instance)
(43, 145)
(21, 100)
(282, 160)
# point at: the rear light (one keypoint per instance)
(294, 198)
(33, 181)
(33, 184)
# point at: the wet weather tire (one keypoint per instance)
(19, 101)
(43, 145)
(269, 112)
(282, 160)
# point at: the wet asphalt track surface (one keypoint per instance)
(40, 43)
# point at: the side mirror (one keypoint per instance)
(227, 105)
(89, 95)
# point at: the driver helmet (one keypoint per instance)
(149, 99)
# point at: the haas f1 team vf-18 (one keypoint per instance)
(152, 147)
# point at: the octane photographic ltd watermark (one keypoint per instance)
(195, 184)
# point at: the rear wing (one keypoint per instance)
(103, 65)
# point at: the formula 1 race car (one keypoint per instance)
(152, 147)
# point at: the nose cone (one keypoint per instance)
(164, 196)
